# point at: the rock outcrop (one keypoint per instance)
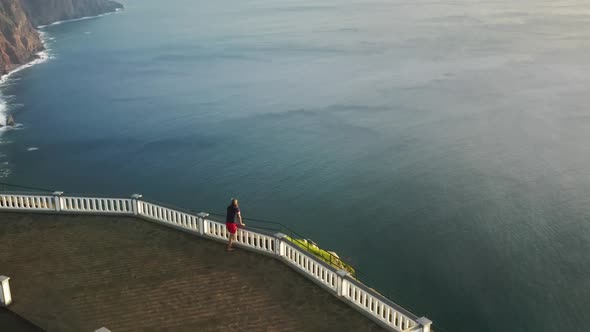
(10, 121)
(20, 42)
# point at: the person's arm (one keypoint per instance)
(240, 218)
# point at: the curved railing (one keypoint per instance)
(27, 202)
(336, 281)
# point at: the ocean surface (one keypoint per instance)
(442, 147)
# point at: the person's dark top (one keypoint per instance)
(232, 214)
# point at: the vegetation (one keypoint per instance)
(329, 257)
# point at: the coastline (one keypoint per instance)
(40, 57)
(117, 10)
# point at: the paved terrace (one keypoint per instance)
(79, 273)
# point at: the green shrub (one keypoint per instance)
(330, 258)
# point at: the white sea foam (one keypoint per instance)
(78, 19)
(33, 148)
(41, 57)
(2, 112)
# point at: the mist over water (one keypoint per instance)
(440, 147)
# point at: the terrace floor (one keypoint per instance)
(80, 273)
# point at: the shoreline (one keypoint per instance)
(40, 57)
(117, 10)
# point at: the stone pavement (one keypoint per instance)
(79, 273)
(9, 321)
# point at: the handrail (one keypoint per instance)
(260, 239)
(24, 187)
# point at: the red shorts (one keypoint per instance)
(232, 227)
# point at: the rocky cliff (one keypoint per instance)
(43, 12)
(19, 41)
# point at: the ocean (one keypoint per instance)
(441, 147)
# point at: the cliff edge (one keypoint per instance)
(20, 42)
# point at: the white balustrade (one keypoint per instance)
(27, 202)
(311, 266)
(375, 305)
(255, 240)
(167, 216)
(215, 229)
(96, 205)
(340, 283)
(244, 236)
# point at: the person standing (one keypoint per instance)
(231, 222)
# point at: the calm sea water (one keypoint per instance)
(442, 147)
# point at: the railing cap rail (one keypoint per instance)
(91, 195)
(27, 193)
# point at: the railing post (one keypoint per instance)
(425, 324)
(202, 223)
(279, 246)
(135, 203)
(57, 197)
(5, 296)
(342, 283)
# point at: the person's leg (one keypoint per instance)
(229, 243)
(232, 238)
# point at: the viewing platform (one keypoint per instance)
(80, 263)
(80, 273)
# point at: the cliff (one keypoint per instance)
(42, 12)
(19, 41)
